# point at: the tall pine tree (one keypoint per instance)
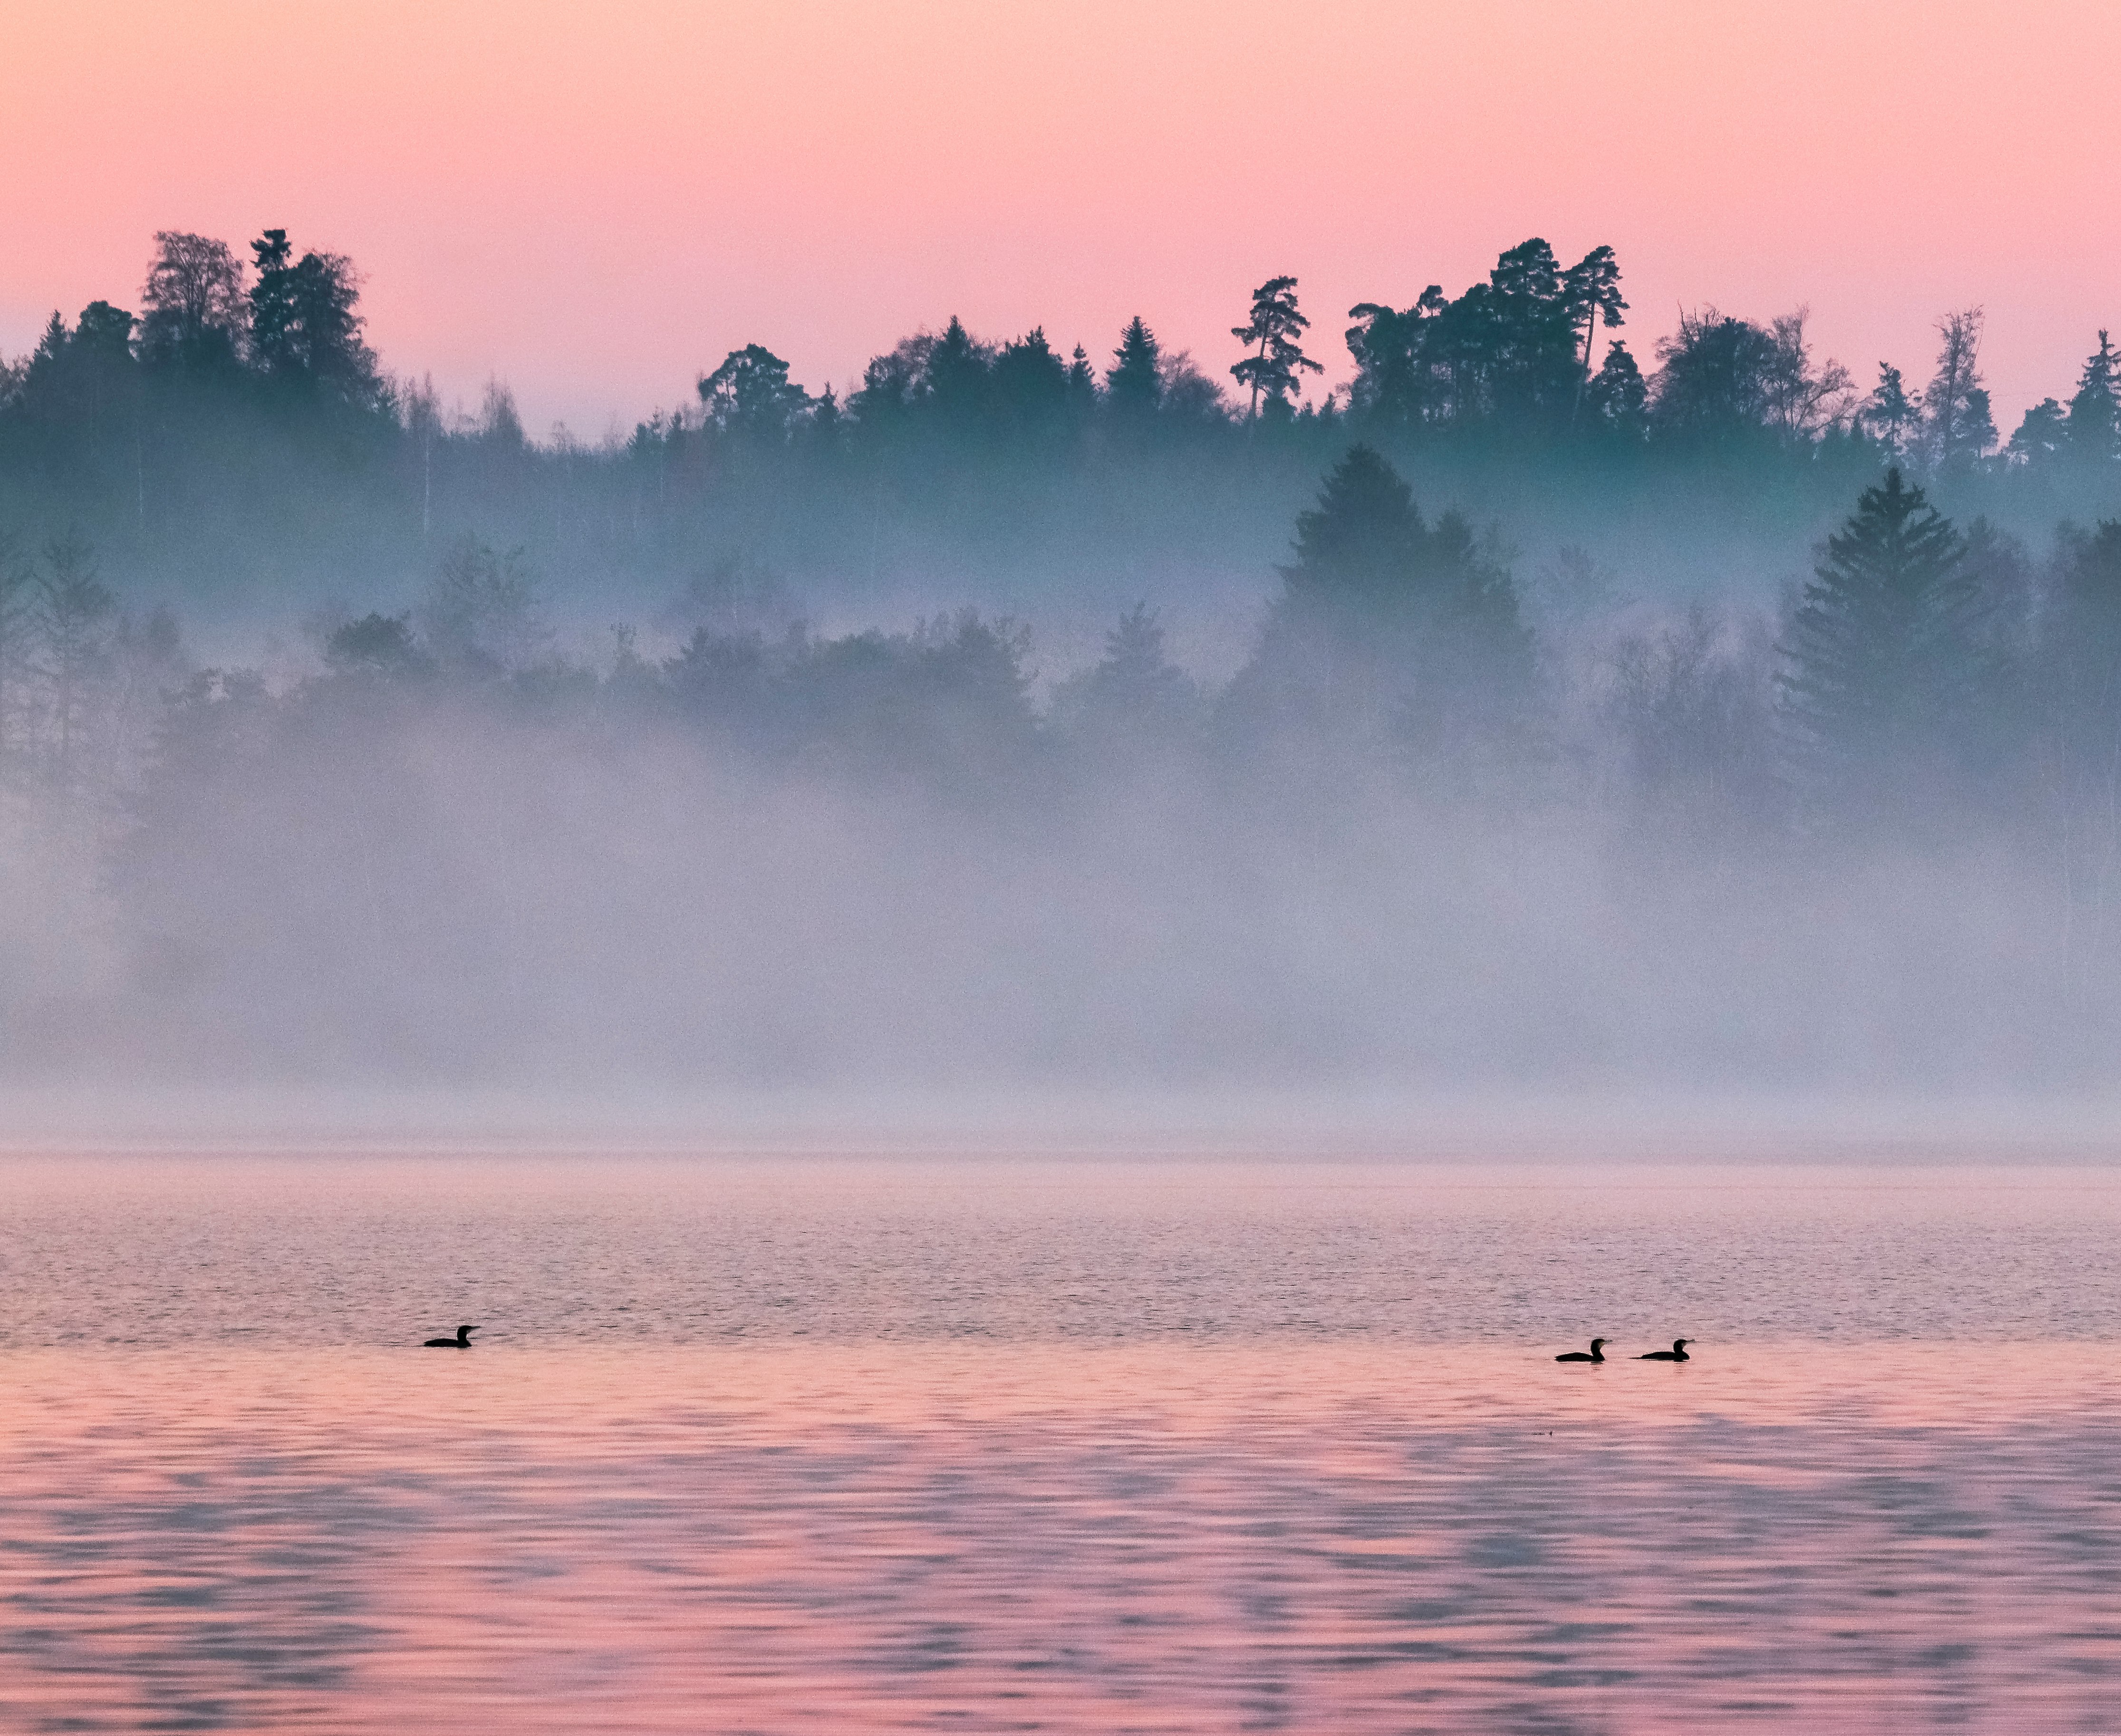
(1275, 326)
(2095, 412)
(1133, 384)
(1390, 634)
(1882, 675)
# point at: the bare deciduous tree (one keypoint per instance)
(194, 299)
(1957, 425)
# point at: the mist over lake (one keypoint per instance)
(1268, 980)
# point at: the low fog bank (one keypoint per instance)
(1331, 1125)
(1447, 832)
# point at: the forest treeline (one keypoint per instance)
(226, 434)
(1449, 812)
(1417, 828)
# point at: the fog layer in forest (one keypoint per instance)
(1509, 717)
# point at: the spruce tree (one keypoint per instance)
(1888, 412)
(1618, 397)
(275, 319)
(1135, 698)
(303, 328)
(958, 375)
(1029, 386)
(1362, 546)
(1081, 386)
(1133, 384)
(1389, 631)
(2095, 412)
(1882, 671)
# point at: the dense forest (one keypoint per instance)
(1446, 816)
(234, 447)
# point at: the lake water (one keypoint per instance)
(808, 1445)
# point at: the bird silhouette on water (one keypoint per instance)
(1596, 1353)
(462, 1341)
(1677, 1353)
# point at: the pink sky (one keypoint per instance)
(595, 202)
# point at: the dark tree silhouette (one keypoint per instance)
(1958, 426)
(751, 396)
(1363, 547)
(958, 376)
(1532, 310)
(1512, 354)
(1031, 389)
(1388, 632)
(375, 646)
(1617, 398)
(304, 329)
(276, 333)
(1275, 326)
(2095, 411)
(1591, 288)
(80, 389)
(1133, 384)
(1882, 667)
(1889, 414)
(104, 334)
(1081, 386)
(1715, 379)
(194, 314)
(1394, 389)
(2043, 435)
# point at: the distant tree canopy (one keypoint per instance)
(237, 431)
(1722, 381)
(750, 396)
(1511, 365)
(1505, 358)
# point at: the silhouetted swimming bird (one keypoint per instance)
(462, 1341)
(1677, 1353)
(1596, 1353)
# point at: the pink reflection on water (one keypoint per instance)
(1347, 1538)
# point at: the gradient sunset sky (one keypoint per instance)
(595, 201)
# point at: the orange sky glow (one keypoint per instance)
(594, 203)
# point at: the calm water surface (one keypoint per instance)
(795, 1445)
